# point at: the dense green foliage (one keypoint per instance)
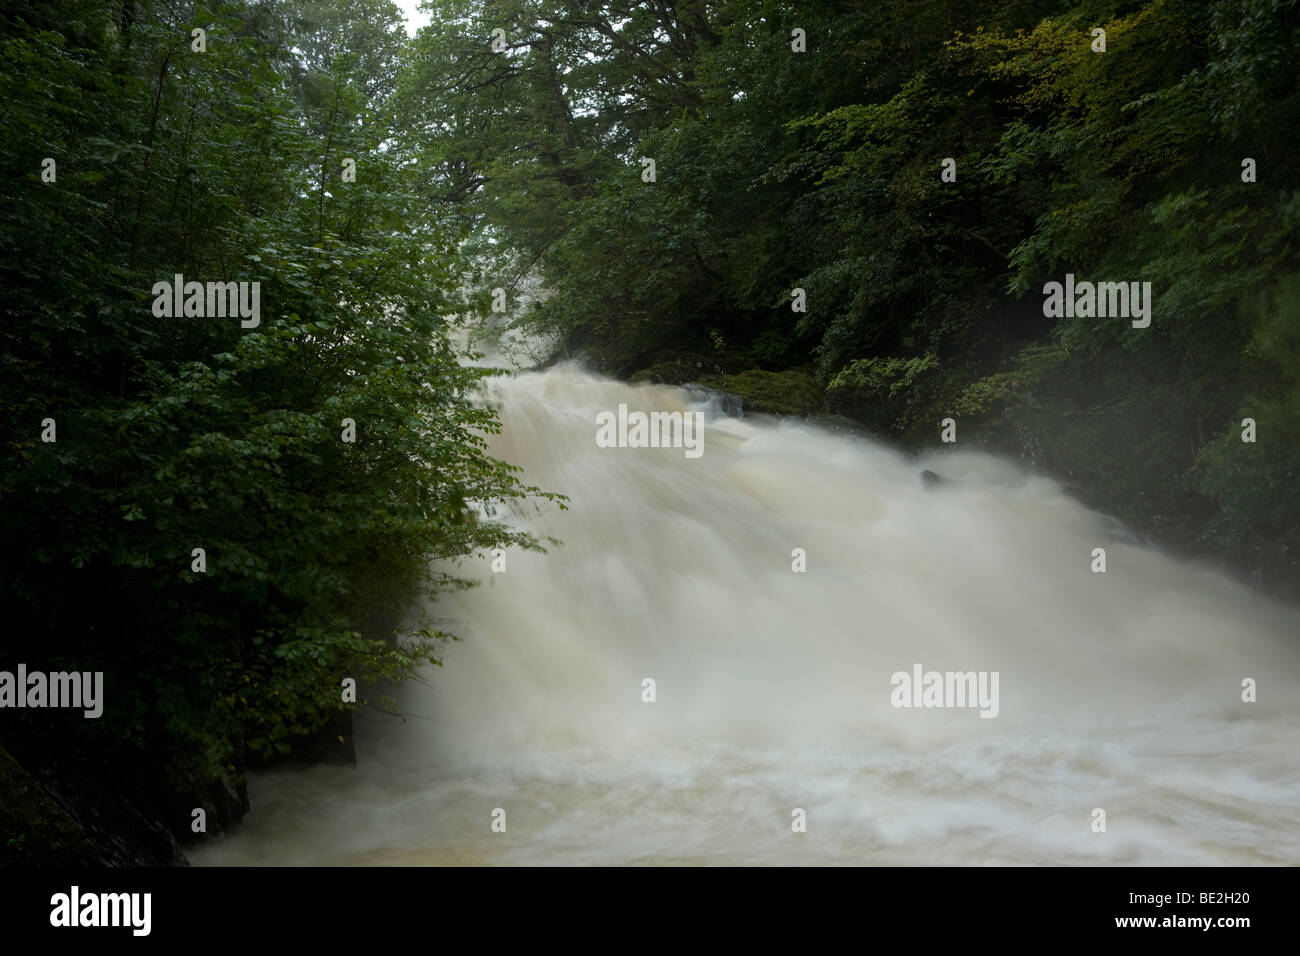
(181, 433)
(821, 170)
(523, 168)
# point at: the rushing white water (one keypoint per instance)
(1119, 691)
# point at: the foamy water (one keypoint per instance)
(1119, 691)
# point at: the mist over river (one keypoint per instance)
(1119, 690)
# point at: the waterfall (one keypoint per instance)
(775, 690)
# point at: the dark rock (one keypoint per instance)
(34, 829)
(719, 403)
(54, 816)
(792, 392)
(224, 801)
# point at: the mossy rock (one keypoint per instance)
(677, 368)
(34, 831)
(775, 393)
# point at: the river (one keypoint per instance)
(1119, 691)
